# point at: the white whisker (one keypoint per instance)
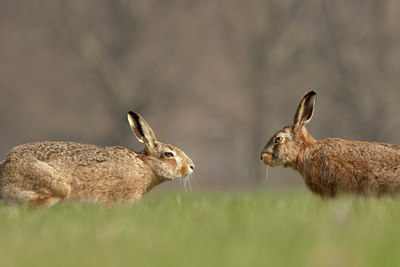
(266, 174)
(187, 184)
(190, 184)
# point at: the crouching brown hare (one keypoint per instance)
(44, 173)
(333, 165)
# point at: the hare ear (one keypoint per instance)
(305, 110)
(142, 130)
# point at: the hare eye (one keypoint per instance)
(278, 140)
(168, 154)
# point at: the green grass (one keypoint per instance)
(207, 229)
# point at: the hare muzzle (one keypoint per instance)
(187, 170)
(266, 158)
(269, 160)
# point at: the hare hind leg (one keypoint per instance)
(44, 201)
(17, 196)
(38, 185)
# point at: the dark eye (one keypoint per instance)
(168, 154)
(278, 140)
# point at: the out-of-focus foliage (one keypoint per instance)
(224, 229)
(215, 78)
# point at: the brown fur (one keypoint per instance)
(41, 174)
(334, 165)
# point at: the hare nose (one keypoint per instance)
(192, 167)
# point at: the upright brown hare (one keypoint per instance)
(42, 174)
(333, 165)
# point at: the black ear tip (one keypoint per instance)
(310, 93)
(134, 115)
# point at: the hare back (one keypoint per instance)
(76, 171)
(334, 165)
(68, 152)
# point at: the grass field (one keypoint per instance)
(261, 228)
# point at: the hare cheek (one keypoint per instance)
(276, 159)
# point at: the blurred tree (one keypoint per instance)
(216, 78)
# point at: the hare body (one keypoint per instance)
(334, 165)
(43, 173)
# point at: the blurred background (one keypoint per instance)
(215, 78)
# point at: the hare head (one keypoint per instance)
(285, 146)
(166, 161)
